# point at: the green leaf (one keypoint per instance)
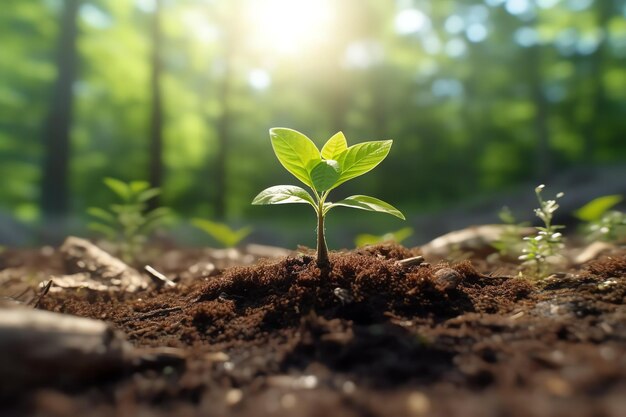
(361, 158)
(593, 210)
(107, 231)
(118, 187)
(101, 214)
(155, 219)
(241, 234)
(397, 236)
(138, 186)
(284, 194)
(324, 174)
(148, 194)
(222, 232)
(368, 203)
(335, 145)
(296, 152)
(126, 208)
(365, 239)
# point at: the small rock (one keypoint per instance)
(290, 382)
(418, 404)
(201, 269)
(447, 279)
(343, 295)
(592, 252)
(234, 396)
(217, 357)
(558, 387)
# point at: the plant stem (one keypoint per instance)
(322, 249)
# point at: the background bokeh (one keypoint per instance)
(484, 99)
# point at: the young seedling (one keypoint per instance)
(602, 222)
(226, 236)
(548, 242)
(322, 171)
(509, 244)
(128, 223)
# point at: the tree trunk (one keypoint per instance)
(595, 61)
(156, 109)
(56, 139)
(225, 119)
(223, 138)
(543, 155)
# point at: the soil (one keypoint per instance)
(369, 337)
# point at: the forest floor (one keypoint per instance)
(370, 337)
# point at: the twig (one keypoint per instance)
(151, 314)
(158, 278)
(42, 294)
(416, 260)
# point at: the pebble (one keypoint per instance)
(418, 404)
(288, 381)
(234, 396)
(447, 279)
(558, 387)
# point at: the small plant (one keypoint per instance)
(322, 171)
(226, 236)
(398, 236)
(128, 223)
(509, 245)
(602, 222)
(542, 248)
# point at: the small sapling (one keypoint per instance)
(128, 222)
(322, 171)
(602, 221)
(547, 244)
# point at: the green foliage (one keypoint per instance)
(509, 244)
(548, 100)
(603, 223)
(221, 232)
(128, 223)
(323, 171)
(398, 236)
(542, 249)
(596, 208)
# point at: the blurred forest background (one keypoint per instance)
(480, 97)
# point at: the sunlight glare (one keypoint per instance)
(259, 79)
(410, 21)
(289, 26)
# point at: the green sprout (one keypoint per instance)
(225, 235)
(508, 244)
(128, 223)
(322, 171)
(398, 236)
(602, 222)
(541, 248)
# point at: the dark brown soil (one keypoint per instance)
(367, 338)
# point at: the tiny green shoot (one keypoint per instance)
(127, 222)
(509, 244)
(602, 223)
(545, 246)
(222, 233)
(323, 171)
(398, 236)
